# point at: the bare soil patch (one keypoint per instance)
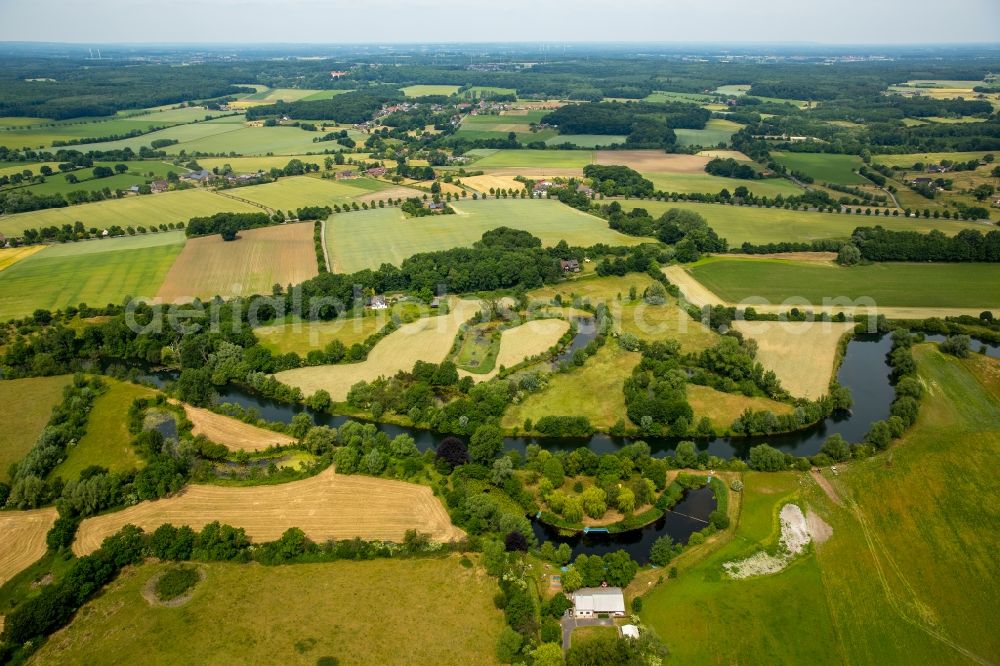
(827, 487)
(252, 264)
(819, 529)
(326, 506)
(22, 539)
(795, 537)
(391, 193)
(233, 433)
(653, 161)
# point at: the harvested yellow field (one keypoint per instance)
(523, 342)
(23, 539)
(390, 193)
(12, 255)
(232, 433)
(326, 506)
(653, 161)
(251, 264)
(485, 182)
(724, 408)
(800, 353)
(427, 339)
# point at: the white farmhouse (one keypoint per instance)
(593, 601)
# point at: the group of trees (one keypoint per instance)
(644, 123)
(618, 181)
(968, 245)
(226, 224)
(730, 168)
(356, 106)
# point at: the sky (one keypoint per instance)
(382, 21)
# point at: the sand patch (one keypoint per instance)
(819, 529)
(794, 538)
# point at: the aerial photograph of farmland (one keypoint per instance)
(549, 334)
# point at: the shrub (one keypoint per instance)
(175, 582)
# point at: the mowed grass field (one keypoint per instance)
(162, 208)
(325, 506)
(739, 224)
(825, 168)
(252, 264)
(298, 191)
(367, 239)
(716, 131)
(422, 90)
(92, 272)
(428, 339)
(399, 611)
(107, 441)
(27, 405)
(889, 284)
(686, 183)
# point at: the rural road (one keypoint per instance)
(697, 294)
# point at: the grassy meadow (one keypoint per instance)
(422, 90)
(93, 272)
(295, 614)
(739, 224)
(587, 140)
(367, 239)
(301, 337)
(686, 183)
(297, 191)
(179, 206)
(27, 406)
(825, 168)
(716, 131)
(889, 284)
(107, 441)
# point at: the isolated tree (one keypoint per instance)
(515, 541)
(453, 451)
(849, 255)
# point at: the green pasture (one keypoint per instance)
(258, 141)
(824, 167)
(733, 89)
(367, 239)
(741, 224)
(661, 96)
(889, 284)
(42, 135)
(180, 133)
(716, 131)
(178, 206)
(323, 94)
(587, 140)
(298, 191)
(532, 159)
(476, 92)
(27, 406)
(686, 183)
(94, 272)
(423, 90)
(907, 160)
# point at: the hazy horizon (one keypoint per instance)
(329, 22)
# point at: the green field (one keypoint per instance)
(323, 94)
(258, 141)
(27, 405)
(907, 160)
(475, 92)
(261, 162)
(778, 619)
(889, 284)
(740, 224)
(685, 183)
(367, 239)
(298, 191)
(418, 611)
(94, 272)
(40, 135)
(532, 159)
(825, 168)
(587, 140)
(902, 578)
(162, 208)
(716, 131)
(424, 90)
(107, 441)
(661, 96)
(137, 174)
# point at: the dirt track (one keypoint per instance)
(326, 506)
(22, 539)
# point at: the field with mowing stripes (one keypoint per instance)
(889, 284)
(232, 433)
(252, 264)
(367, 239)
(131, 211)
(93, 272)
(244, 614)
(325, 506)
(739, 224)
(11, 255)
(23, 539)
